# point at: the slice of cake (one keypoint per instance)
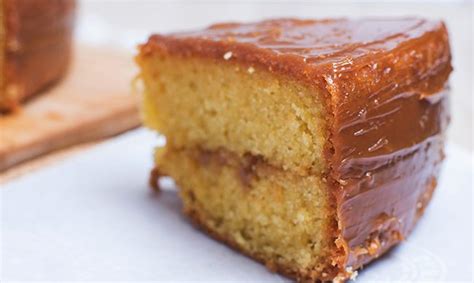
(35, 46)
(311, 146)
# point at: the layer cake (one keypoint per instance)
(312, 146)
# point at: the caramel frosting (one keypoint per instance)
(385, 83)
(37, 45)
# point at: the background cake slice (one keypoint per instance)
(311, 146)
(35, 46)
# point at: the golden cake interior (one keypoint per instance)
(213, 104)
(245, 146)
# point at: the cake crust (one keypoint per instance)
(37, 46)
(385, 85)
(272, 266)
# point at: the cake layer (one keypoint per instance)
(351, 60)
(36, 48)
(280, 218)
(242, 108)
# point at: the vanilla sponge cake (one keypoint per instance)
(312, 146)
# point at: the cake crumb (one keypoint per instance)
(358, 251)
(342, 182)
(251, 70)
(348, 274)
(354, 275)
(154, 180)
(374, 247)
(339, 279)
(228, 55)
(300, 217)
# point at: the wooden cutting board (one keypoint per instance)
(93, 102)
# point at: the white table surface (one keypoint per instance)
(93, 217)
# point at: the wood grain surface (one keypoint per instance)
(94, 101)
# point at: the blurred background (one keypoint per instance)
(126, 23)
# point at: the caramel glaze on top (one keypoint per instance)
(384, 82)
